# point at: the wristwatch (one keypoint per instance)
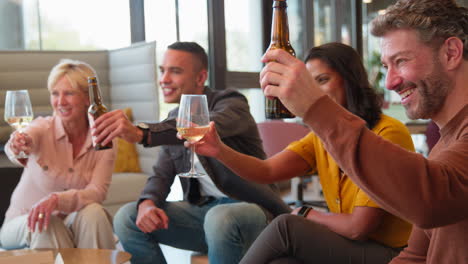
(304, 211)
(145, 129)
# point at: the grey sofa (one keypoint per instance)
(127, 79)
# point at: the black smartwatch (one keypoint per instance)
(304, 211)
(145, 129)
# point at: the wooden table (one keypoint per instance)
(77, 255)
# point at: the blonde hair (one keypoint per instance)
(77, 73)
(434, 20)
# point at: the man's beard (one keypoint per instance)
(433, 91)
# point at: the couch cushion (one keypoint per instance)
(133, 75)
(126, 187)
(127, 155)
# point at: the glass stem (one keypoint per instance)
(192, 157)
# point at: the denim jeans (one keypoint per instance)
(224, 228)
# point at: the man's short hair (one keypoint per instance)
(435, 20)
(194, 48)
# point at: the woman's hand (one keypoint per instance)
(20, 142)
(41, 211)
(210, 145)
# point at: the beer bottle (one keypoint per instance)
(96, 109)
(274, 109)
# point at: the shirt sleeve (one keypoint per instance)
(363, 200)
(416, 251)
(306, 149)
(395, 132)
(404, 183)
(96, 190)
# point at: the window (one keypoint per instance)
(296, 27)
(168, 21)
(75, 25)
(193, 22)
(244, 40)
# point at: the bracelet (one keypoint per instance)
(304, 211)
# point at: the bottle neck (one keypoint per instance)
(94, 94)
(279, 27)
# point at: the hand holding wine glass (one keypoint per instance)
(192, 124)
(210, 145)
(18, 114)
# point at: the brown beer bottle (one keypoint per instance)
(96, 109)
(274, 109)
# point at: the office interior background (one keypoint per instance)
(235, 33)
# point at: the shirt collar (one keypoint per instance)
(455, 122)
(60, 134)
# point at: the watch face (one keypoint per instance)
(143, 125)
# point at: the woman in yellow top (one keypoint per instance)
(355, 230)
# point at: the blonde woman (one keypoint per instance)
(57, 201)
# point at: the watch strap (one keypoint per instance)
(144, 138)
(304, 211)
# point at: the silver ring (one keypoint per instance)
(40, 216)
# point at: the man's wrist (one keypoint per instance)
(146, 203)
(140, 135)
(143, 133)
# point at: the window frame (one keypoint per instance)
(220, 77)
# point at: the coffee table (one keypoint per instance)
(78, 255)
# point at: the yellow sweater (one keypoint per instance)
(341, 194)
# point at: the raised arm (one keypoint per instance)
(283, 165)
(429, 193)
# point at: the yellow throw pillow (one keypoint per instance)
(127, 155)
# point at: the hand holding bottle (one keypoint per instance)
(287, 78)
(115, 124)
(274, 109)
(95, 110)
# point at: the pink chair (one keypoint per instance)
(276, 136)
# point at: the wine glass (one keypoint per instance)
(193, 122)
(18, 112)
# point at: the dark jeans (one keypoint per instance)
(224, 228)
(293, 239)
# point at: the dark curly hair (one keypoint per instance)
(361, 98)
(435, 20)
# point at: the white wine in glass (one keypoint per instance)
(18, 112)
(193, 122)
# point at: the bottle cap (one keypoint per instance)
(92, 79)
